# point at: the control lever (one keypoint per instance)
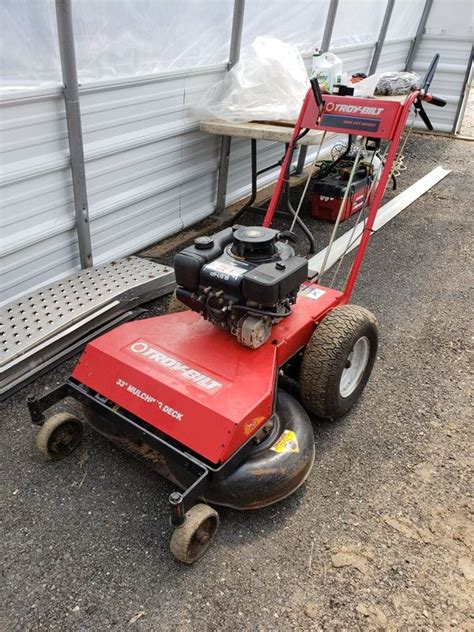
(317, 93)
(425, 84)
(425, 96)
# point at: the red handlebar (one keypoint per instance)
(429, 98)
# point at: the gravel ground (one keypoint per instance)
(380, 536)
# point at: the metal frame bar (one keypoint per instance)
(325, 44)
(74, 128)
(381, 39)
(234, 54)
(464, 95)
(179, 502)
(420, 31)
(329, 26)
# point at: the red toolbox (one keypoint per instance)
(328, 193)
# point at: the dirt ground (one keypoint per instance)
(379, 538)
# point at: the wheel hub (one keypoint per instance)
(355, 367)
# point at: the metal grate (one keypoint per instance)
(31, 325)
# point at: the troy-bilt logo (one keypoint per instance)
(353, 109)
(172, 364)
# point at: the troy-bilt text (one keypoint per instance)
(199, 379)
(357, 109)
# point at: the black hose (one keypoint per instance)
(261, 312)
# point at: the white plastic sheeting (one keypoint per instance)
(269, 82)
(129, 38)
(113, 38)
(452, 18)
(405, 18)
(297, 22)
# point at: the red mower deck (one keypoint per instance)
(173, 370)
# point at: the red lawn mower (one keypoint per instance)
(197, 392)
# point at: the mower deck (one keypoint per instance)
(190, 380)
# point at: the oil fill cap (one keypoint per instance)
(203, 243)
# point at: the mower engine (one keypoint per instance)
(242, 279)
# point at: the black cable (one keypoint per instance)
(261, 312)
(303, 133)
(324, 172)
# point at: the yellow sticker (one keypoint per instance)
(286, 443)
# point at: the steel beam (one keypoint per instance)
(329, 26)
(381, 39)
(325, 44)
(234, 54)
(74, 128)
(463, 98)
(236, 34)
(419, 34)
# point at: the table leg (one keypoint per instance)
(301, 160)
(253, 156)
(223, 174)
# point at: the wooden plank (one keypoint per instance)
(280, 131)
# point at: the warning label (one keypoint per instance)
(288, 442)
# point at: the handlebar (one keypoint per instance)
(429, 98)
(425, 84)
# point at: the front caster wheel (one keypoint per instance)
(337, 361)
(59, 436)
(191, 540)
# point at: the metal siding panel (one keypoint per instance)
(355, 58)
(37, 217)
(143, 151)
(150, 172)
(394, 54)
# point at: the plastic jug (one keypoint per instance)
(327, 68)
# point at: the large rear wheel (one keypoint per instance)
(338, 361)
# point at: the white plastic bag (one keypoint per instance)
(366, 87)
(268, 83)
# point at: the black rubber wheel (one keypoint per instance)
(338, 361)
(191, 540)
(59, 436)
(175, 305)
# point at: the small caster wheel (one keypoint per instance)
(191, 540)
(59, 436)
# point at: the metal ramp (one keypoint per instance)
(41, 329)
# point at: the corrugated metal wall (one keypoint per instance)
(150, 172)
